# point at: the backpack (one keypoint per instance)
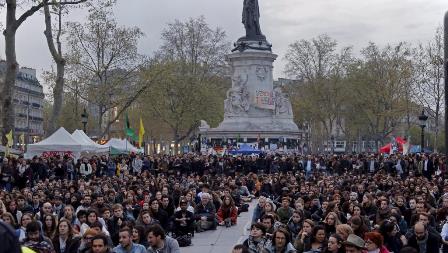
(184, 240)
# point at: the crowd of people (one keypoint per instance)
(157, 203)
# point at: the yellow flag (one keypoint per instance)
(141, 132)
(10, 139)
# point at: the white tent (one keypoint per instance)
(60, 142)
(88, 145)
(121, 146)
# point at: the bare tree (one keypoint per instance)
(12, 25)
(429, 90)
(104, 58)
(379, 85)
(193, 56)
(322, 69)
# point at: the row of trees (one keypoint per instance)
(371, 96)
(171, 91)
(98, 66)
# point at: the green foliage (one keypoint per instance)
(366, 96)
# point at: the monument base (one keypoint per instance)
(255, 111)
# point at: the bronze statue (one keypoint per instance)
(251, 20)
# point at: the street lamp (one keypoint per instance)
(423, 118)
(84, 119)
(332, 144)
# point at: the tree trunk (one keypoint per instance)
(11, 70)
(58, 90)
(436, 134)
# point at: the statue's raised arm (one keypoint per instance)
(251, 20)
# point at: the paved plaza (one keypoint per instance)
(223, 239)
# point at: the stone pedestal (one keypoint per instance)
(254, 108)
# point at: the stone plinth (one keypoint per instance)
(254, 108)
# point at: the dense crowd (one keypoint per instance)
(305, 203)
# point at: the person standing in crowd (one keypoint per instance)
(137, 164)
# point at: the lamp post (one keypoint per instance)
(423, 118)
(332, 144)
(84, 119)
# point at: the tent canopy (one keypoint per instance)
(120, 146)
(60, 142)
(88, 144)
(245, 150)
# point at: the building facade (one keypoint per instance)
(28, 101)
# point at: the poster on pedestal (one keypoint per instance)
(264, 99)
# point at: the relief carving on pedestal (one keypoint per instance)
(261, 73)
(282, 103)
(237, 102)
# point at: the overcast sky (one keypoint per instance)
(350, 22)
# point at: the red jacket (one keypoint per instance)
(384, 250)
(232, 214)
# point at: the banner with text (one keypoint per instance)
(264, 99)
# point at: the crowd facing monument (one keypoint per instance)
(92, 201)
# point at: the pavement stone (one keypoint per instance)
(222, 239)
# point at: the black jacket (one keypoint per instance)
(9, 241)
(432, 245)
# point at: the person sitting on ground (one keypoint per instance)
(159, 242)
(227, 213)
(285, 212)
(374, 243)
(295, 224)
(205, 214)
(183, 220)
(354, 244)
(126, 244)
(100, 244)
(258, 210)
(64, 238)
(257, 240)
(35, 240)
(239, 248)
(334, 244)
(281, 242)
(344, 230)
(318, 242)
(422, 240)
(10, 242)
(303, 239)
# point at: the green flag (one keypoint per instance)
(128, 130)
